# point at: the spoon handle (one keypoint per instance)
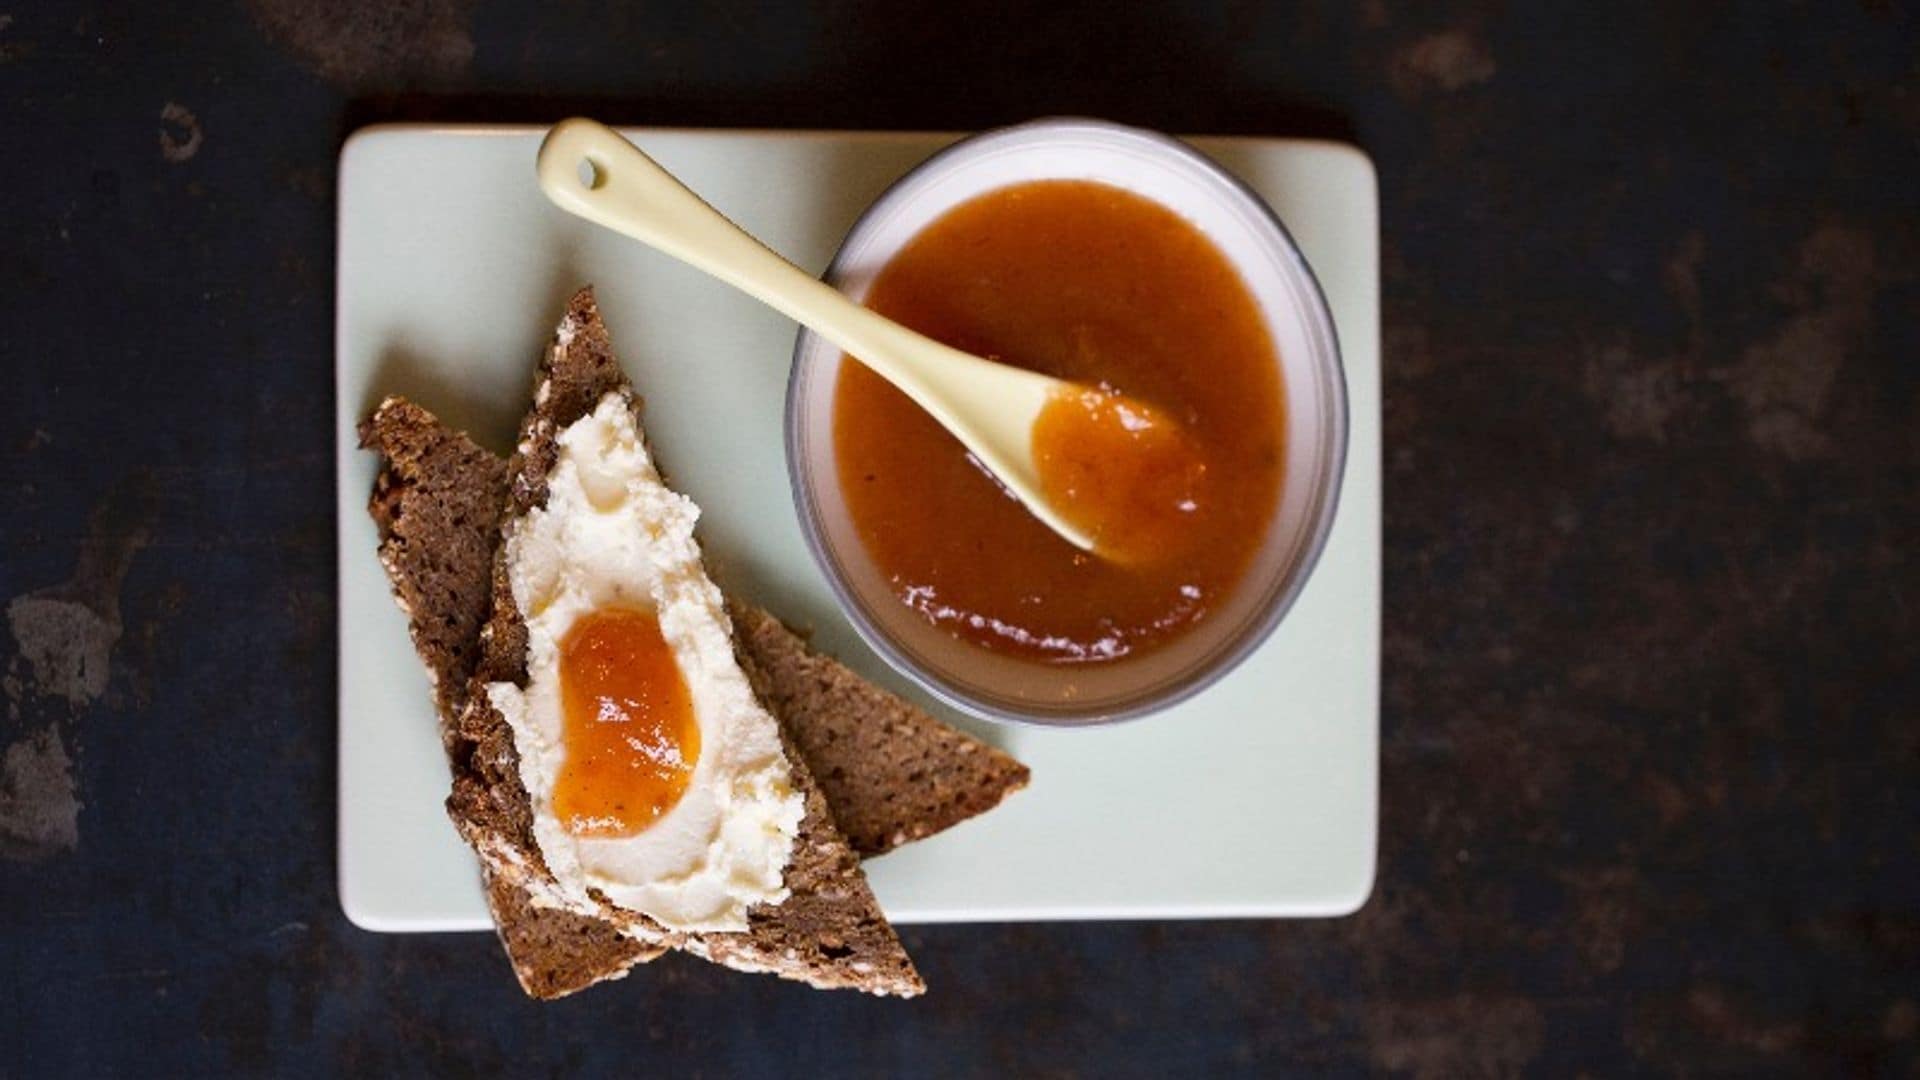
(588, 169)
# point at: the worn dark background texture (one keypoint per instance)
(1650, 709)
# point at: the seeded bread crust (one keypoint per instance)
(829, 932)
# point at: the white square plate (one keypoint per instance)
(1258, 798)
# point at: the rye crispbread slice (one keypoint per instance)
(891, 772)
(829, 932)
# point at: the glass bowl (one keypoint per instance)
(1182, 179)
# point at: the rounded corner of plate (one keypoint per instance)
(358, 912)
(1357, 893)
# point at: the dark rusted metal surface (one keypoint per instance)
(1651, 711)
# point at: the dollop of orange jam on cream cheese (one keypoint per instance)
(628, 725)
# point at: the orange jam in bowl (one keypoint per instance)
(1093, 284)
(1132, 477)
(1203, 448)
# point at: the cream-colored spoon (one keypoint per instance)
(587, 169)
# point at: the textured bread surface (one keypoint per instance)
(555, 952)
(893, 774)
(436, 502)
